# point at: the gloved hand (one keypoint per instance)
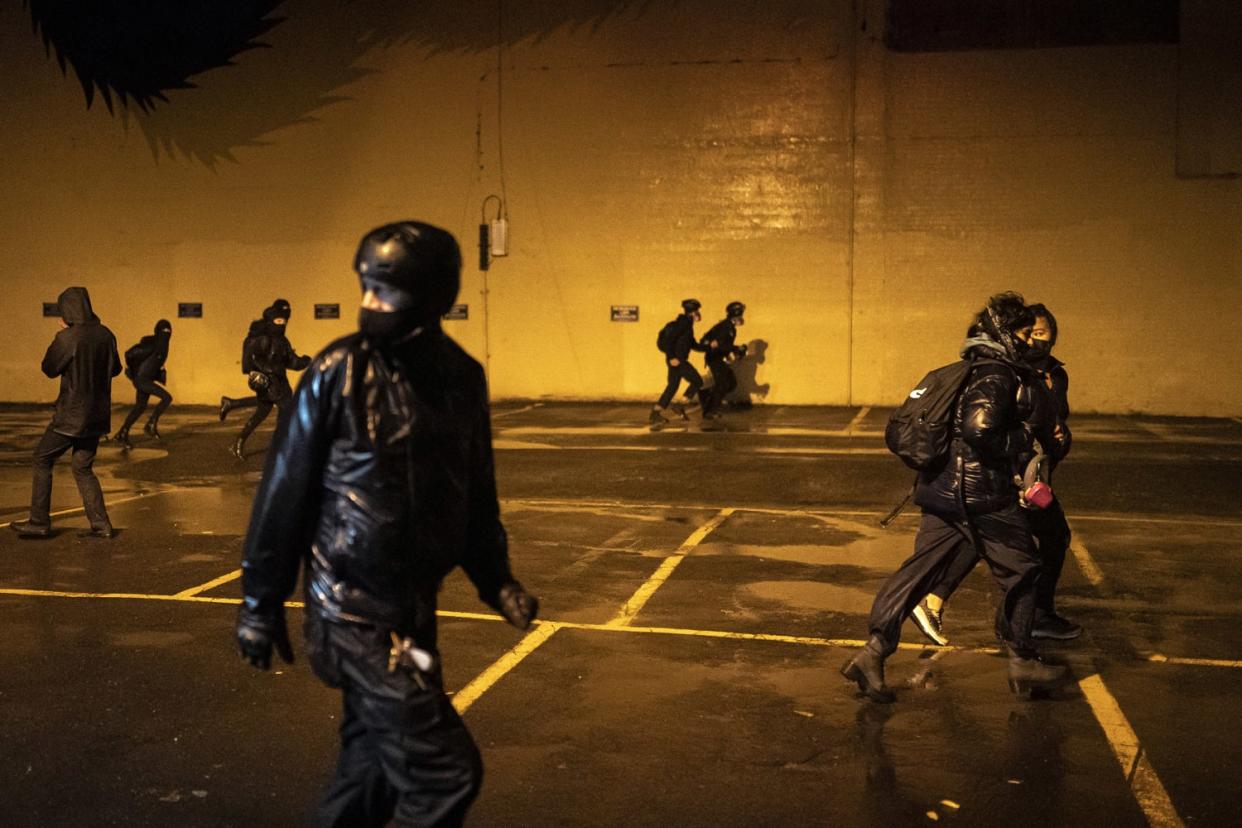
(257, 634)
(517, 605)
(258, 381)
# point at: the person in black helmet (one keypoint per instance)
(718, 342)
(266, 357)
(677, 341)
(83, 355)
(379, 484)
(145, 369)
(972, 501)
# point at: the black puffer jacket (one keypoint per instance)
(996, 423)
(84, 357)
(1057, 380)
(382, 482)
(152, 352)
(683, 339)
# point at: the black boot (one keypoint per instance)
(866, 669)
(238, 448)
(153, 428)
(122, 439)
(226, 405)
(1031, 677)
(26, 529)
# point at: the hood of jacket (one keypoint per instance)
(75, 306)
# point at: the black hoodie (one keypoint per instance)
(152, 351)
(84, 357)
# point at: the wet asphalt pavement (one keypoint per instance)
(711, 699)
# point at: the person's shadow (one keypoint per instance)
(746, 370)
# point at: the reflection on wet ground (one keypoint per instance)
(716, 701)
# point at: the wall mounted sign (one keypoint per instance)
(625, 313)
(458, 312)
(190, 310)
(328, 311)
(51, 309)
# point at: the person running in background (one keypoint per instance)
(718, 343)
(144, 365)
(267, 356)
(676, 341)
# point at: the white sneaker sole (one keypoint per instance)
(919, 615)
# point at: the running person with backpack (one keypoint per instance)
(1048, 522)
(144, 365)
(676, 341)
(965, 486)
(266, 355)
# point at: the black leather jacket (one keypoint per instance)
(995, 426)
(381, 481)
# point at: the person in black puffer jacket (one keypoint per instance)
(146, 371)
(1049, 525)
(266, 357)
(677, 360)
(973, 500)
(718, 343)
(378, 485)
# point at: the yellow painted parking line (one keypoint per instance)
(805, 640)
(530, 642)
(644, 592)
(1158, 658)
(1148, 790)
(1086, 563)
(210, 585)
(858, 418)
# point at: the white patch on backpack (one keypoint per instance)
(918, 392)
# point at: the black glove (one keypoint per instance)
(257, 634)
(517, 605)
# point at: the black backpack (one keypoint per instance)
(921, 429)
(666, 339)
(135, 356)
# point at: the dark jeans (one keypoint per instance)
(278, 394)
(1052, 535)
(676, 374)
(404, 750)
(723, 381)
(1007, 545)
(147, 389)
(51, 447)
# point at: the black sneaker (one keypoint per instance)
(929, 623)
(1056, 628)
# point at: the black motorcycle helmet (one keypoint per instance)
(691, 305)
(735, 310)
(419, 259)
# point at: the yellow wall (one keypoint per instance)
(651, 152)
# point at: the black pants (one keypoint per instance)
(404, 750)
(1052, 535)
(278, 395)
(723, 381)
(676, 374)
(51, 447)
(1006, 543)
(147, 389)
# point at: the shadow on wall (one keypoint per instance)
(315, 49)
(746, 370)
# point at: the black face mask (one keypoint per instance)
(389, 326)
(1037, 352)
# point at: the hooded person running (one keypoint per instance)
(972, 501)
(266, 357)
(145, 369)
(83, 355)
(378, 485)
